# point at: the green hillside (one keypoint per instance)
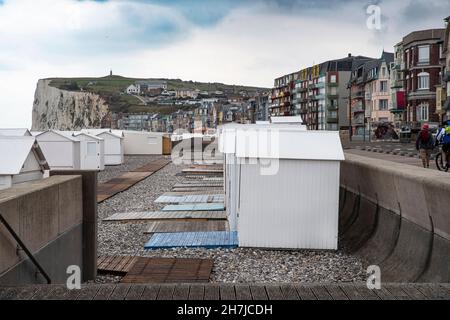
(112, 87)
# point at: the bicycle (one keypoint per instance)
(440, 162)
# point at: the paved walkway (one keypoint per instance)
(230, 292)
(413, 161)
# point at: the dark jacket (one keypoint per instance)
(425, 144)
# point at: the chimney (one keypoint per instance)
(349, 55)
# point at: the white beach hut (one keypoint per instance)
(283, 188)
(19, 132)
(114, 144)
(22, 160)
(143, 143)
(61, 149)
(92, 151)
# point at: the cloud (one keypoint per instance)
(242, 42)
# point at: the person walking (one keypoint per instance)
(425, 144)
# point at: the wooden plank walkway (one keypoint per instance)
(153, 166)
(188, 193)
(187, 226)
(119, 265)
(168, 215)
(209, 240)
(122, 183)
(194, 198)
(156, 270)
(127, 180)
(211, 291)
(195, 207)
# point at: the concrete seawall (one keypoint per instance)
(48, 217)
(397, 217)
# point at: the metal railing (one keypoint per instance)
(24, 248)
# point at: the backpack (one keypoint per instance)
(446, 138)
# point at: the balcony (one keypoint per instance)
(333, 96)
(333, 84)
(301, 89)
(446, 77)
(332, 107)
(397, 84)
(357, 95)
(331, 119)
(320, 85)
(357, 108)
(318, 97)
(358, 121)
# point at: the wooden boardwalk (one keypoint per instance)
(125, 181)
(168, 270)
(168, 215)
(187, 226)
(229, 292)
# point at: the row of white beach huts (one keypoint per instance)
(28, 155)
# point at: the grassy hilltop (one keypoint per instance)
(111, 88)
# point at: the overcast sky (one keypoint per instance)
(236, 42)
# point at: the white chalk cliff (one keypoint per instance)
(66, 110)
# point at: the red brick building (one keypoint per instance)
(423, 69)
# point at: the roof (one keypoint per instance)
(18, 150)
(296, 119)
(280, 142)
(96, 132)
(17, 132)
(65, 134)
(423, 35)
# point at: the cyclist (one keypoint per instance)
(443, 138)
(446, 143)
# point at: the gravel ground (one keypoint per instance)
(241, 265)
(131, 163)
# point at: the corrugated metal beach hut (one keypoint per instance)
(283, 188)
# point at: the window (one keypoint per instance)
(422, 112)
(383, 86)
(423, 81)
(424, 54)
(333, 78)
(91, 149)
(407, 59)
(383, 104)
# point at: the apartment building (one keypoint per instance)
(318, 93)
(377, 91)
(282, 95)
(423, 56)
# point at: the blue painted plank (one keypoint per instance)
(209, 240)
(195, 207)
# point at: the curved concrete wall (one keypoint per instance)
(398, 217)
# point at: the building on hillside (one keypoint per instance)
(186, 93)
(148, 85)
(132, 89)
(423, 52)
(262, 107)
